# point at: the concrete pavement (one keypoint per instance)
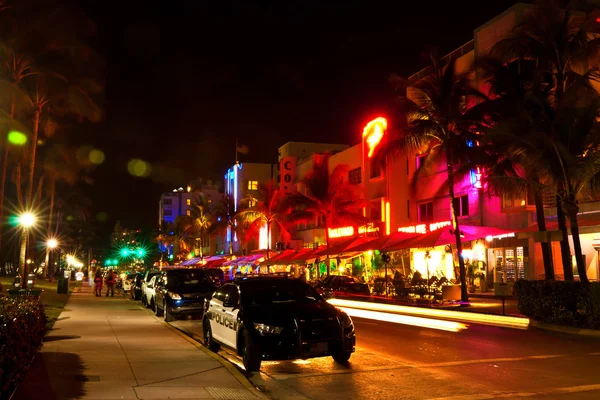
(109, 348)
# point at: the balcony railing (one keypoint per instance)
(461, 51)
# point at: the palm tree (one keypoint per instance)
(328, 199)
(223, 220)
(440, 128)
(177, 235)
(265, 210)
(514, 115)
(562, 44)
(201, 221)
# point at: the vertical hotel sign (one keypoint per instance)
(373, 133)
(287, 174)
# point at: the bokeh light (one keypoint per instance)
(102, 216)
(140, 168)
(96, 156)
(17, 138)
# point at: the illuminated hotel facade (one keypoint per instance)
(394, 206)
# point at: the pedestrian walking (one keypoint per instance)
(98, 282)
(110, 284)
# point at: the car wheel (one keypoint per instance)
(341, 356)
(157, 310)
(167, 314)
(250, 354)
(208, 338)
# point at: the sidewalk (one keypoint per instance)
(109, 348)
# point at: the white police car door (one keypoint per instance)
(215, 312)
(231, 307)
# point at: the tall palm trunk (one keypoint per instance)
(327, 265)
(464, 296)
(23, 256)
(268, 238)
(36, 128)
(565, 249)
(572, 210)
(546, 246)
(2, 187)
(49, 230)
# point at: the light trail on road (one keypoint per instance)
(485, 319)
(449, 326)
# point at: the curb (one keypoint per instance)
(228, 366)
(564, 329)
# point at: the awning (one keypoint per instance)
(342, 247)
(234, 261)
(306, 256)
(284, 256)
(445, 236)
(249, 260)
(214, 263)
(379, 243)
(191, 261)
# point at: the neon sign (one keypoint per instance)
(373, 133)
(424, 228)
(346, 231)
(341, 232)
(476, 178)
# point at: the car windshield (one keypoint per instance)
(186, 279)
(278, 292)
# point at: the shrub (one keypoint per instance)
(22, 328)
(560, 302)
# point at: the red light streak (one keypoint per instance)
(484, 319)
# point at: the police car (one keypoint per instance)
(269, 318)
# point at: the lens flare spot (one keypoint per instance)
(102, 216)
(140, 168)
(17, 138)
(69, 218)
(96, 157)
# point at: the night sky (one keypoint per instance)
(185, 78)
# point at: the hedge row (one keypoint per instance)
(22, 328)
(566, 303)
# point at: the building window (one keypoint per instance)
(426, 212)
(168, 212)
(355, 176)
(376, 212)
(251, 203)
(252, 185)
(167, 202)
(375, 168)
(188, 212)
(516, 201)
(188, 202)
(461, 206)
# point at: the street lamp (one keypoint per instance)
(52, 243)
(26, 220)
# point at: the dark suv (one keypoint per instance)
(181, 291)
(265, 318)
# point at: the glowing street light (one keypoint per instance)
(27, 220)
(52, 243)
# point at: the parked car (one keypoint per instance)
(181, 292)
(150, 292)
(136, 287)
(268, 318)
(341, 285)
(145, 290)
(128, 282)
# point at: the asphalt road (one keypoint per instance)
(395, 361)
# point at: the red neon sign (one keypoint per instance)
(424, 228)
(373, 133)
(346, 231)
